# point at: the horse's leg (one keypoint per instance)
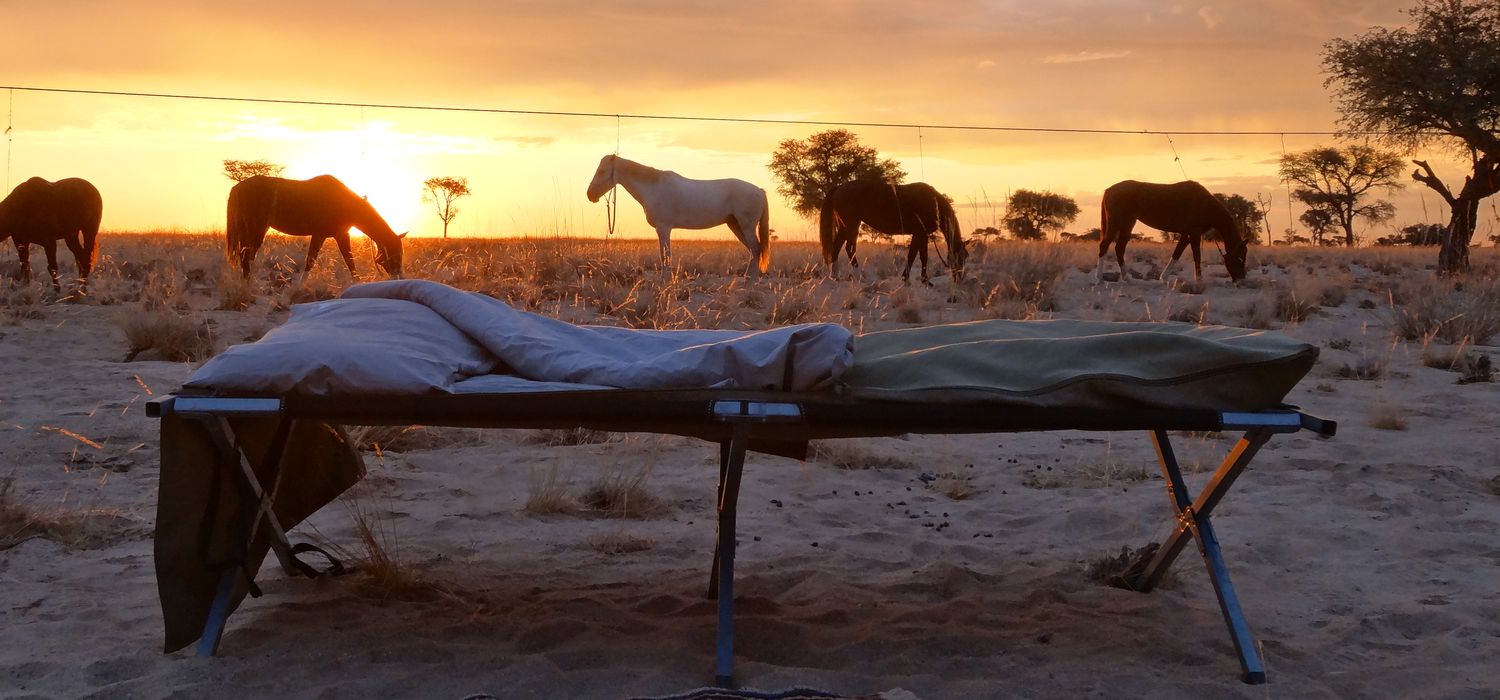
(1182, 242)
(1122, 236)
(50, 248)
(23, 252)
(80, 259)
(342, 239)
(1197, 243)
(664, 240)
(1104, 241)
(739, 232)
(313, 245)
(921, 252)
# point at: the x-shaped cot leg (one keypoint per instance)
(228, 448)
(721, 580)
(1193, 522)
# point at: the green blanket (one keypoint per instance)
(1080, 364)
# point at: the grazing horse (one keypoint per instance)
(915, 209)
(321, 207)
(42, 212)
(1185, 208)
(673, 201)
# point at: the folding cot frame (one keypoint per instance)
(776, 423)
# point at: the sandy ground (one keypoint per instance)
(1367, 564)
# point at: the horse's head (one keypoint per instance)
(604, 178)
(960, 253)
(388, 257)
(1234, 255)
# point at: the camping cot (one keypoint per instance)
(252, 444)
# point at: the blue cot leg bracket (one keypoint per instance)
(1193, 522)
(729, 494)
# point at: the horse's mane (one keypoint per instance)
(640, 170)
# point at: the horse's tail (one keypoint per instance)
(233, 227)
(1104, 232)
(953, 236)
(825, 230)
(765, 232)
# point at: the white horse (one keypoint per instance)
(673, 201)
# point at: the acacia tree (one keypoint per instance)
(242, 170)
(442, 192)
(807, 170)
(1247, 217)
(1338, 182)
(1319, 223)
(1437, 82)
(1029, 215)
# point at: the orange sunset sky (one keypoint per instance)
(1083, 64)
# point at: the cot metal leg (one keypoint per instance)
(1193, 522)
(713, 571)
(225, 442)
(729, 493)
(228, 445)
(213, 628)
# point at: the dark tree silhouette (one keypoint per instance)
(242, 170)
(1436, 82)
(442, 192)
(807, 170)
(1030, 215)
(1339, 181)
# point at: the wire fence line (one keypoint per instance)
(686, 117)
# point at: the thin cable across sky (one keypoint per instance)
(684, 117)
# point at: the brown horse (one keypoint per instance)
(1185, 208)
(321, 207)
(915, 209)
(42, 213)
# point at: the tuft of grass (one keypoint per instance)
(1472, 366)
(88, 528)
(616, 543)
(851, 455)
(176, 337)
(1450, 311)
(1123, 569)
(22, 303)
(565, 437)
(958, 486)
(1366, 367)
(620, 492)
(550, 492)
(413, 438)
(1385, 416)
(235, 293)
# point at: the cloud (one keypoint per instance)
(525, 141)
(985, 64)
(1211, 17)
(1085, 56)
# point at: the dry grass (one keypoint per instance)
(550, 492)
(75, 528)
(1123, 569)
(414, 438)
(1386, 416)
(22, 303)
(384, 568)
(1366, 366)
(175, 337)
(958, 486)
(1453, 311)
(621, 492)
(853, 454)
(616, 543)
(563, 437)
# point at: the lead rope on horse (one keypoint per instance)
(614, 185)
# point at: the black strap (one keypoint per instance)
(335, 567)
